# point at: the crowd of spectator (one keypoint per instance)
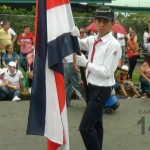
(14, 67)
(23, 60)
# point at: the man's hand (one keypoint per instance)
(76, 69)
(81, 60)
(75, 32)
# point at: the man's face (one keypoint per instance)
(11, 69)
(103, 26)
(6, 26)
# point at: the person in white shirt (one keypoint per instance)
(13, 80)
(146, 44)
(104, 55)
(72, 79)
(121, 40)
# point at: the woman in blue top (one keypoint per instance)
(9, 56)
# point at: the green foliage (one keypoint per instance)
(21, 11)
(18, 18)
(137, 22)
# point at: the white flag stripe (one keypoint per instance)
(59, 23)
(53, 122)
(65, 123)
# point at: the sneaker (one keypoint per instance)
(135, 96)
(127, 97)
(16, 98)
(143, 97)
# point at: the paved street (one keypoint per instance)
(122, 129)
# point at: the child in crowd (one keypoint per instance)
(125, 83)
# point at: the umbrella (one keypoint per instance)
(117, 28)
(91, 27)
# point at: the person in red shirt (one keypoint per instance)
(25, 41)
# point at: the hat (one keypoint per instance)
(124, 67)
(104, 12)
(2, 71)
(12, 64)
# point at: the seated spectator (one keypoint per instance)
(30, 61)
(125, 83)
(145, 75)
(9, 56)
(3, 95)
(13, 80)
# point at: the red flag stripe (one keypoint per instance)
(59, 79)
(52, 4)
(52, 146)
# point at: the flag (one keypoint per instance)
(53, 41)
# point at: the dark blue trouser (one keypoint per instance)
(91, 126)
(132, 64)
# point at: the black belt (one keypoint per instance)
(96, 86)
(91, 85)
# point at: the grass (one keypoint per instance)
(136, 73)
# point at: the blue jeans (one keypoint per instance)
(3, 95)
(23, 62)
(10, 93)
(144, 84)
(91, 126)
(116, 87)
(72, 79)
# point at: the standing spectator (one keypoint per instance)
(128, 35)
(121, 40)
(25, 41)
(132, 52)
(82, 33)
(82, 36)
(13, 80)
(9, 56)
(72, 78)
(103, 58)
(5, 38)
(147, 45)
(145, 36)
(145, 75)
(11, 32)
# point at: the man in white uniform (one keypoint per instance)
(103, 58)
